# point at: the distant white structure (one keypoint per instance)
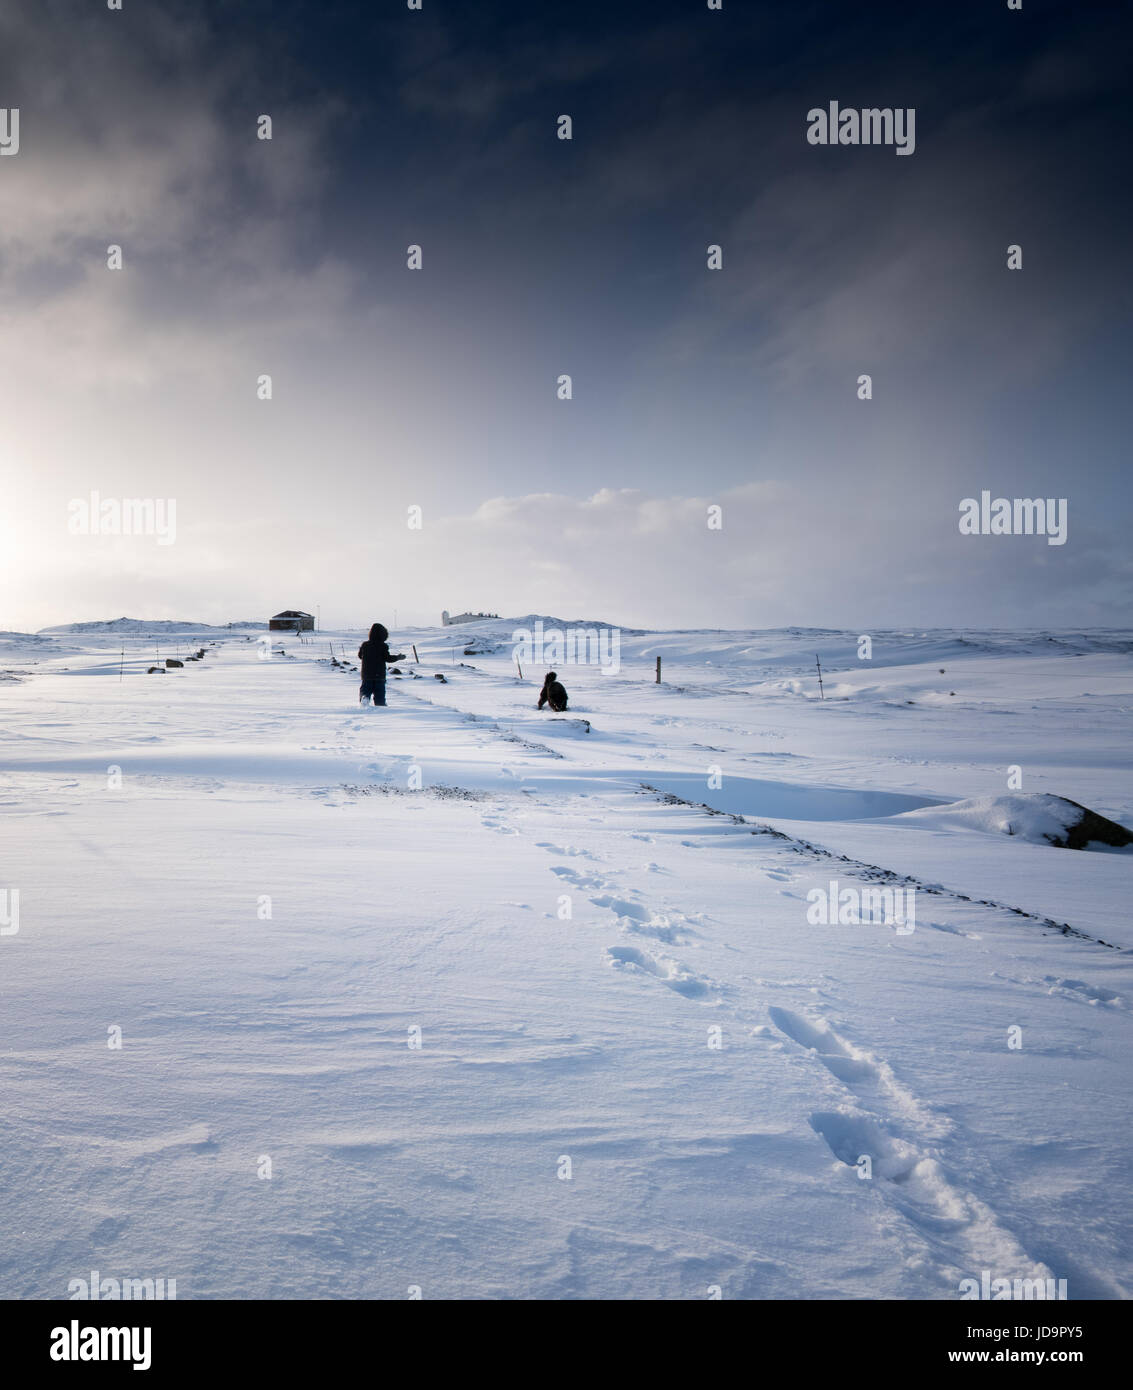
(447, 619)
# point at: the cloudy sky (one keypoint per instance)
(394, 389)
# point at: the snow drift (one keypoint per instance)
(1039, 817)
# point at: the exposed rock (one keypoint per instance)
(1092, 828)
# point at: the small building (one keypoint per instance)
(447, 619)
(291, 620)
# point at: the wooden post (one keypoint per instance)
(519, 668)
(818, 663)
(657, 679)
(416, 658)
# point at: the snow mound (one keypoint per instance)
(503, 628)
(528, 621)
(1039, 817)
(138, 625)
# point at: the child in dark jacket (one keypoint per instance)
(374, 655)
(552, 694)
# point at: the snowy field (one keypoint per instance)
(670, 1089)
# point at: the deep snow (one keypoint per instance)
(713, 1065)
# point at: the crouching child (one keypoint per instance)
(552, 694)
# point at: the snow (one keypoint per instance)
(1042, 819)
(419, 861)
(141, 627)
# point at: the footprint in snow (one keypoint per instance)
(500, 827)
(847, 1063)
(953, 931)
(641, 921)
(622, 907)
(669, 972)
(1091, 994)
(579, 880)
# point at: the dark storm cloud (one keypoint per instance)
(544, 256)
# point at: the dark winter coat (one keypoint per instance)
(375, 657)
(553, 694)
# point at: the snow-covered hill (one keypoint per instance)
(142, 626)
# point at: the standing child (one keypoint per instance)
(374, 655)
